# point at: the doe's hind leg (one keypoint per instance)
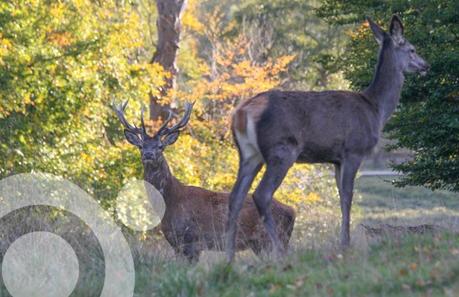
(278, 162)
(248, 169)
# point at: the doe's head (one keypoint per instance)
(152, 147)
(406, 57)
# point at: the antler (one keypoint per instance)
(120, 109)
(182, 123)
(163, 126)
(144, 131)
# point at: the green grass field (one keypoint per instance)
(408, 265)
(379, 201)
(390, 264)
(415, 266)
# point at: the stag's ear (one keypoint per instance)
(377, 31)
(170, 138)
(133, 138)
(396, 29)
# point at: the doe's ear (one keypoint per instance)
(133, 138)
(377, 31)
(396, 28)
(171, 138)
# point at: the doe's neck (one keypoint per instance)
(386, 87)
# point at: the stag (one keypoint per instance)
(194, 218)
(280, 128)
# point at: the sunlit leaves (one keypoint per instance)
(61, 65)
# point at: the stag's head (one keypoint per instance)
(407, 60)
(152, 147)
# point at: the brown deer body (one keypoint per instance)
(195, 218)
(279, 128)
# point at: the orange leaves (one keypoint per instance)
(61, 39)
(229, 75)
(281, 64)
(232, 74)
(366, 24)
(361, 31)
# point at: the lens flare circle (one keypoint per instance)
(140, 206)
(36, 189)
(40, 264)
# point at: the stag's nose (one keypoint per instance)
(148, 155)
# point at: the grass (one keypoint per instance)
(379, 201)
(411, 265)
(415, 265)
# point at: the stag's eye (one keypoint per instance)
(412, 51)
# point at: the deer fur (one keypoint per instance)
(280, 128)
(194, 218)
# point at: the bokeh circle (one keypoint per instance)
(38, 189)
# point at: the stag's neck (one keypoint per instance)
(162, 179)
(386, 87)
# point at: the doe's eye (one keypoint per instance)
(412, 51)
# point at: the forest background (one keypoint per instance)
(63, 63)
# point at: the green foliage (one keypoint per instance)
(427, 121)
(285, 27)
(61, 65)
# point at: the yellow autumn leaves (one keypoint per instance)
(69, 60)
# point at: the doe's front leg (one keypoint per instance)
(345, 182)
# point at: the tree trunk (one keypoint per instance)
(168, 24)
